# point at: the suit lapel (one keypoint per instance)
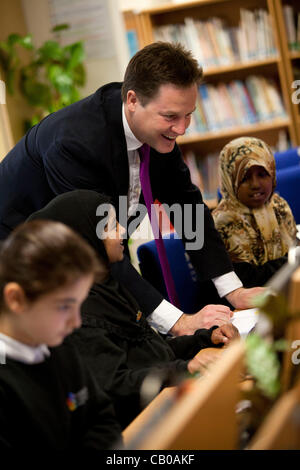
(118, 150)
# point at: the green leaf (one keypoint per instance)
(53, 71)
(79, 76)
(60, 27)
(13, 39)
(76, 54)
(37, 94)
(263, 364)
(4, 46)
(60, 79)
(10, 78)
(51, 50)
(26, 42)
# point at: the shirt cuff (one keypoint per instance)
(164, 317)
(227, 283)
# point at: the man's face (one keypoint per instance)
(162, 119)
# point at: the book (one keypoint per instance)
(194, 45)
(231, 117)
(191, 162)
(259, 100)
(248, 110)
(207, 108)
(132, 42)
(237, 104)
(288, 13)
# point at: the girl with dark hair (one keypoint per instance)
(48, 398)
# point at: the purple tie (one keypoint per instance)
(144, 152)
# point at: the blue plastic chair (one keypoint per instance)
(183, 272)
(288, 187)
(288, 158)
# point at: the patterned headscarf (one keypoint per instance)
(251, 235)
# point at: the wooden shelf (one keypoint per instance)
(287, 57)
(169, 7)
(294, 55)
(233, 132)
(220, 69)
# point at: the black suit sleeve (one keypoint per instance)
(252, 275)
(145, 294)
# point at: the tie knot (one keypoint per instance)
(144, 151)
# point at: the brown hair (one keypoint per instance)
(43, 255)
(157, 64)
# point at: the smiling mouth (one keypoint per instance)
(169, 137)
(257, 195)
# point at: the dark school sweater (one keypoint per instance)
(54, 405)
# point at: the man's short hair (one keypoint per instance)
(158, 64)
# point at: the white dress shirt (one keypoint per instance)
(21, 352)
(166, 314)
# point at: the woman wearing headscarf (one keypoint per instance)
(256, 224)
(115, 338)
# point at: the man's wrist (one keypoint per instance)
(231, 295)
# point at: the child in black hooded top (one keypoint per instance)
(115, 338)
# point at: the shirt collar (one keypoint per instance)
(22, 352)
(131, 141)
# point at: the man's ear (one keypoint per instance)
(14, 297)
(132, 100)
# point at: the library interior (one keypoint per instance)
(53, 54)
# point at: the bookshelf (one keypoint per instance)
(288, 25)
(265, 60)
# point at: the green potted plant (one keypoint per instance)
(51, 77)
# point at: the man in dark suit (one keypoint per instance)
(93, 144)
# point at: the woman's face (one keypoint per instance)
(255, 188)
(113, 240)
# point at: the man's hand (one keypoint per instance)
(244, 298)
(207, 317)
(224, 334)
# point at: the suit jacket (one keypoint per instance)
(83, 146)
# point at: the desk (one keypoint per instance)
(195, 418)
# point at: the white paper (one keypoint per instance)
(245, 320)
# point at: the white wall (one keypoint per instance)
(99, 71)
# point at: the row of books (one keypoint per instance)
(205, 169)
(236, 103)
(213, 42)
(292, 24)
(204, 173)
